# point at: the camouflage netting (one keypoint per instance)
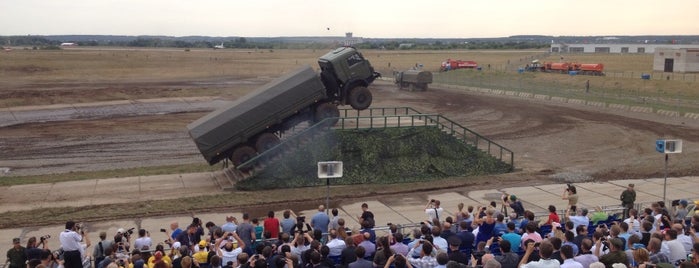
(377, 156)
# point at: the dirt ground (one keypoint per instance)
(546, 137)
(550, 141)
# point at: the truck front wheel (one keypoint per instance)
(242, 154)
(327, 110)
(360, 98)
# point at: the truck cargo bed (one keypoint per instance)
(223, 129)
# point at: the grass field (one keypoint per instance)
(100, 74)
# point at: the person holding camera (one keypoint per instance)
(545, 253)
(616, 252)
(514, 203)
(433, 210)
(301, 243)
(70, 243)
(571, 194)
(32, 250)
(425, 260)
(143, 241)
(224, 248)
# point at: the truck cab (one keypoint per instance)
(346, 74)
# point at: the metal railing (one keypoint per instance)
(383, 117)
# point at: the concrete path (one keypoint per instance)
(398, 211)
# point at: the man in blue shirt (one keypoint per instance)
(512, 237)
(320, 220)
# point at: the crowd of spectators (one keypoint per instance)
(475, 236)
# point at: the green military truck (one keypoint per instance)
(413, 79)
(253, 123)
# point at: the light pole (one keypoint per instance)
(327, 170)
(667, 147)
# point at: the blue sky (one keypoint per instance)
(377, 19)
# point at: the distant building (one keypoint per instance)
(614, 48)
(684, 60)
(351, 41)
(68, 44)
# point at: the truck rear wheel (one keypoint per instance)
(424, 86)
(360, 98)
(266, 141)
(242, 154)
(327, 110)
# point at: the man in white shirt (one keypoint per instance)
(634, 223)
(579, 219)
(70, 243)
(686, 240)
(433, 210)
(226, 252)
(335, 244)
(440, 244)
(672, 247)
(143, 241)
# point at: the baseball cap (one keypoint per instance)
(631, 185)
(202, 243)
(513, 197)
(176, 245)
(15, 240)
(120, 230)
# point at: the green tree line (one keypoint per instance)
(244, 43)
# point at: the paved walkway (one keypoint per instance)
(399, 211)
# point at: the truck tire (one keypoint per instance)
(327, 110)
(266, 141)
(242, 154)
(360, 98)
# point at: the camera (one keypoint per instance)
(45, 237)
(57, 254)
(431, 200)
(129, 232)
(536, 244)
(301, 219)
(163, 230)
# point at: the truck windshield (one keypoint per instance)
(354, 59)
